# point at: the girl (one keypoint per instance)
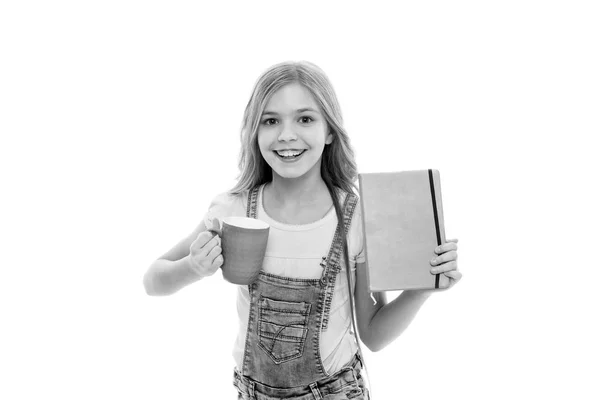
(298, 174)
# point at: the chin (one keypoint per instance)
(289, 174)
(292, 172)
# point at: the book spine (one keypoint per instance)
(437, 222)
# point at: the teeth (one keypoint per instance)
(289, 153)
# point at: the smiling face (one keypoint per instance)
(293, 133)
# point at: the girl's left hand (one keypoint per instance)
(445, 261)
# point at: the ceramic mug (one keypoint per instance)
(243, 244)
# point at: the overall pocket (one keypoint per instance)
(282, 328)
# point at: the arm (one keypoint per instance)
(380, 324)
(173, 270)
(194, 257)
(165, 277)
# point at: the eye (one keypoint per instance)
(269, 121)
(306, 119)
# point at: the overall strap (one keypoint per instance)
(252, 202)
(351, 201)
(337, 250)
(353, 315)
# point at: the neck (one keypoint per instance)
(298, 191)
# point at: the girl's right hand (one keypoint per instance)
(205, 253)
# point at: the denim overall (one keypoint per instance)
(282, 352)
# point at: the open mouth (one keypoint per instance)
(289, 154)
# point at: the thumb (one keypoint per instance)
(216, 226)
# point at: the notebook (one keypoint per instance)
(403, 224)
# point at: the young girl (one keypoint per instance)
(295, 338)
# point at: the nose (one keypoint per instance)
(286, 133)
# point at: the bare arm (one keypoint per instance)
(380, 324)
(175, 269)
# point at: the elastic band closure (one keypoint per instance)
(437, 223)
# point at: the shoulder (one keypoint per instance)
(226, 205)
(227, 199)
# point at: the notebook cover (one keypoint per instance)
(403, 223)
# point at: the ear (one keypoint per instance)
(329, 138)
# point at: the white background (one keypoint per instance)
(120, 122)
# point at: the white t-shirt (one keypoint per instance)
(296, 251)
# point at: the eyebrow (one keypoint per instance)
(300, 110)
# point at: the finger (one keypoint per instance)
(446, 267)
(214, 252)
(446, 257)
(209, 246)
(203, 238)
(218, 262)
(443, 248)
(454, 275)
(215, 264)
(216, 226)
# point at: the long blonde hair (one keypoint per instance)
(338, 167)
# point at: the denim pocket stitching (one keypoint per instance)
(278, 307)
